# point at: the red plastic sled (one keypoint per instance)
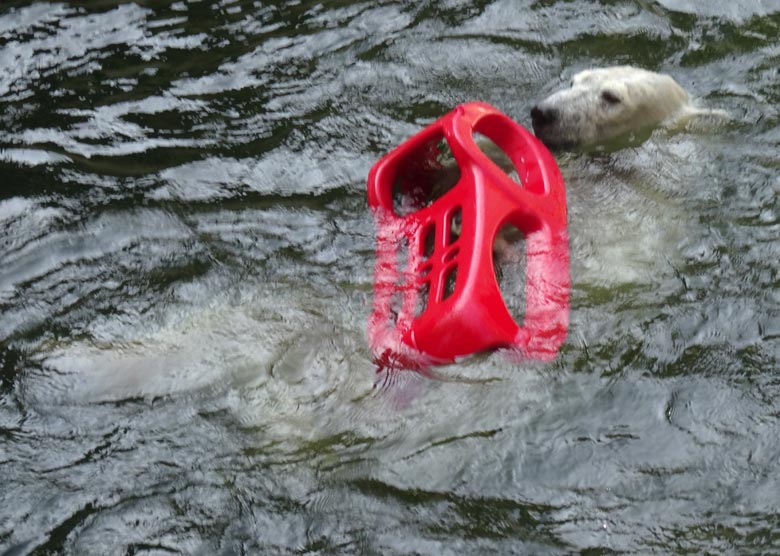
(436, 296)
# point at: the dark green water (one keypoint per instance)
(186, 261)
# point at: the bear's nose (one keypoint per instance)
(541, 116)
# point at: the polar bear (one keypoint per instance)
(607, 103)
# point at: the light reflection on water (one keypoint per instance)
(185, 275)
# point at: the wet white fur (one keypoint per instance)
(605, 103)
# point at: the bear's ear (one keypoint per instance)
(610, 97)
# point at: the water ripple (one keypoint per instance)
(186, 261)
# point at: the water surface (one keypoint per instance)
(186, 263)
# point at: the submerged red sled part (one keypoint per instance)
(436, 296)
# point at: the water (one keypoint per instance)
(186, 267)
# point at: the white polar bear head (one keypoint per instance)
(605, 103)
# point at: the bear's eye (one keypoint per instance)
(610, 97)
